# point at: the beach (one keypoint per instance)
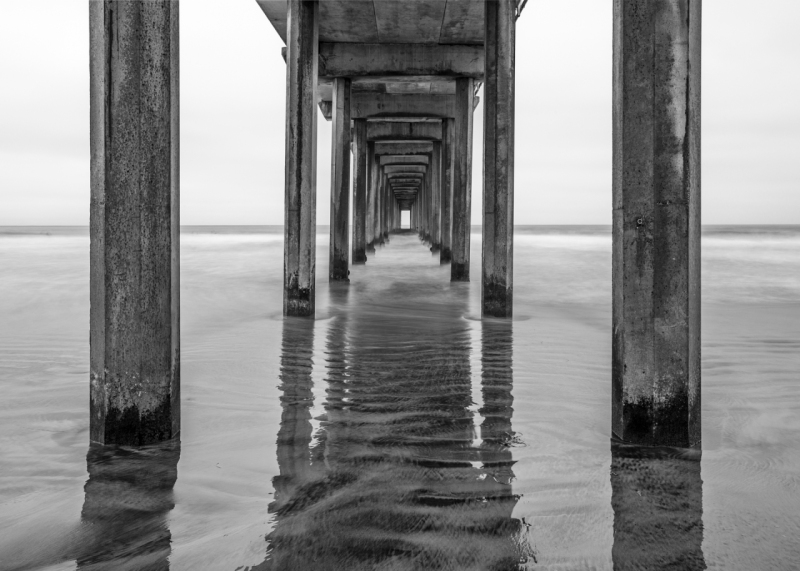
(397, 405)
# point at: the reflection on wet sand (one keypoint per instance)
(395, 478)
(657, 496)
(128, 499)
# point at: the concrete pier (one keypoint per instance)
(445, 254)
(340, 182)
(462, 180)
(373, 198)
(414, 73)
(300, 224)
(360, 192)
(498, 160)
(435, 178)
(656, 235)
(134, 223)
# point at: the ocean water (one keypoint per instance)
(398, 430)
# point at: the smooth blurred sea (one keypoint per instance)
(398, 430)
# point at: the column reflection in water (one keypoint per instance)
(299, 466)
(401, 483)
(126, 506)
(657, 497)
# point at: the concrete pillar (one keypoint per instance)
(435, 169)
(395, 214)
(421, 202)
(656, 235)
(426, 184)
(134, 223)
(300, 220)
(340, 182)
(498, 159)
(423, 189)
(379, 217)
(386, 209)
(445, 254)
(360, 193)
(387, 193)
(462, 179)
(371, 219)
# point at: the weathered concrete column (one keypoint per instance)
(420, 202)
(498, 159)
(340, 182)
(656, 236)
(134, 275)
(395, 210)
(435, 176)
(360, 193)
(426, 194)
(378, 227)
(299, 243)
(371, 218)
(445, 254)
(386, 206)
(462, 179)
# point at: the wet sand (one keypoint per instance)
(401, 430)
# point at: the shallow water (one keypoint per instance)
(399, 430)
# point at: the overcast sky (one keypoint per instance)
(232, 114)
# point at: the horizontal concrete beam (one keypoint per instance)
(416, 148)
(408, 131)
(404, 160)
(405, 169)
(354, 60)
(404, 120)
(413, 175)
(366, 105)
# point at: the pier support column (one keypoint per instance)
(373, 198)
(428, 205)
(462, 179)
(445, 253)
(656, 232)
(379, 214)
(422, 211)
(498, 159)
(386, 209)
(340, 182)
(360, 193)
(134, 223)
(435, 169)
(299, 243)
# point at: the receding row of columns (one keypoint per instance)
(434, 184)
(135, 355)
